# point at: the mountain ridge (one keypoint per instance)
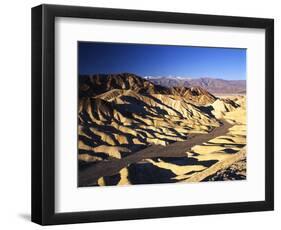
(113, 85)
(90, 85)
(213, 85)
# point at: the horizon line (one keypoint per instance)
(162, 76)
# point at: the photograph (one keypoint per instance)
(151, 114)
(159, 113)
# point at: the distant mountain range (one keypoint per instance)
(215, 86)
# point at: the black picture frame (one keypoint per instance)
(43, 110)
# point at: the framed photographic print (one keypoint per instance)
(142, 114)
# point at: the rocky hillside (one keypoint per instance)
(92, 85)
(195, 95)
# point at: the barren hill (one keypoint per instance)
(195, 94)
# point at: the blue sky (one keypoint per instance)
(161, 60)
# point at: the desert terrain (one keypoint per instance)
(133, 130)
